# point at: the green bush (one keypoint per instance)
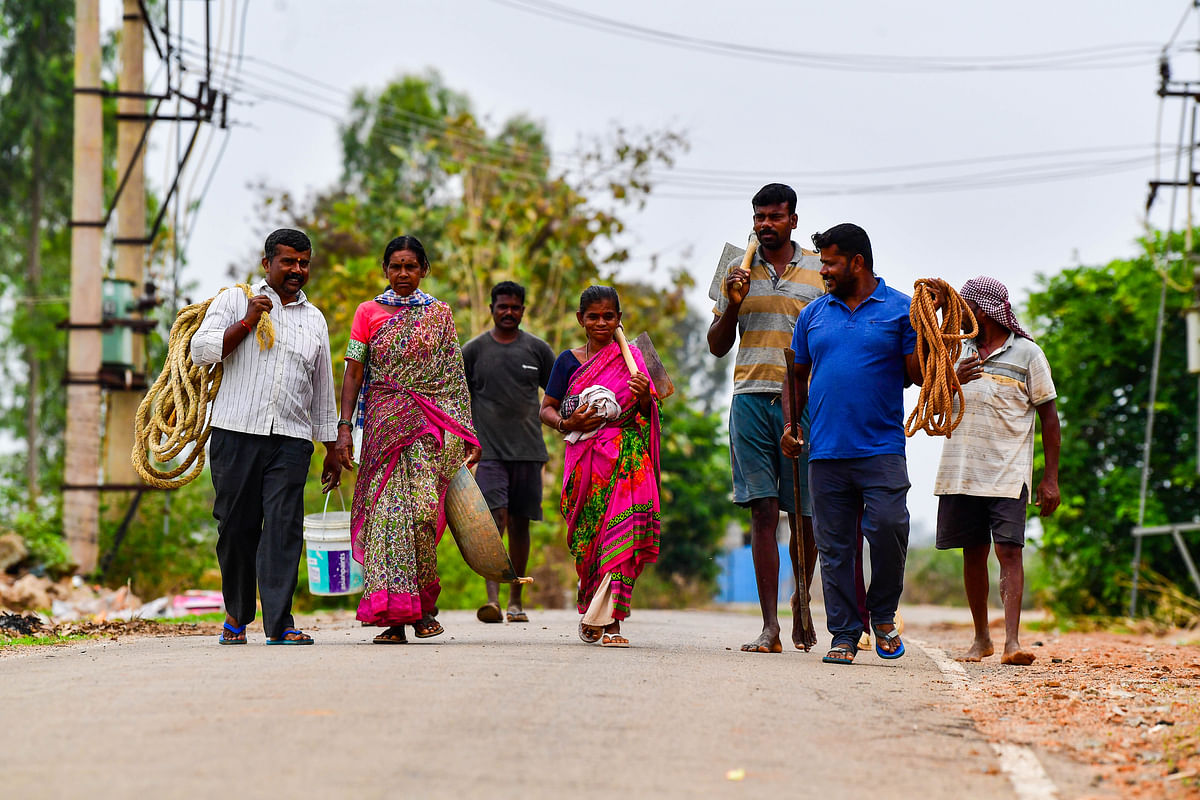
(169, 545)
(934, 577)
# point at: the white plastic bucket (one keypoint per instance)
(332, 570)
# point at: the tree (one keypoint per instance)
(36, 79)
(695, 492)
(1097, 328)
(488, 207)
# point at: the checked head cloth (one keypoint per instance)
(992, 297)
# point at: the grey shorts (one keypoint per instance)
(513, 485)
(965, 520)
(760, 468)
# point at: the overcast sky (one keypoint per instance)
(836, 134)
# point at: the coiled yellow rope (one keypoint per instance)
(938, 348)
(174, 413)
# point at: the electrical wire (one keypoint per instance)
(394, 125)
(1188, 9)
(1110, 56)
(236, 68)
(397, 119)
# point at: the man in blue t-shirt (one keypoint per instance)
(856, 343)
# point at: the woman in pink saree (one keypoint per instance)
(405, 387)
(610, 498)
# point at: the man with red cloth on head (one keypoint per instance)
(986, 470)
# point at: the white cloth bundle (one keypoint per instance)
(603, 403)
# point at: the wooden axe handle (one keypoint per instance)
(630, 364)
(751, 249)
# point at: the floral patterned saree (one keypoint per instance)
(417, 396)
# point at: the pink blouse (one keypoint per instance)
(369, 317)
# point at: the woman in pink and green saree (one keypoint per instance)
(610, 499)
(405, 387)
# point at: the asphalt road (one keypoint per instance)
(523, 711)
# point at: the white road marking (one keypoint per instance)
(1029, 780)
(948, 666)
(1023, 769)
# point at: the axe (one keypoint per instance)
(654, 365)
(730, 253)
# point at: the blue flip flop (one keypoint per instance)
(891, 636)
(284, 640)
(235, 631)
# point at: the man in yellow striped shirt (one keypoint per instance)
(760, 306)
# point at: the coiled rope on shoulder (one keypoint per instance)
(174, 413)
(938, 348)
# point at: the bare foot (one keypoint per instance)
(767, 642)
(799, 639)
(980, 649)
(1013, 654)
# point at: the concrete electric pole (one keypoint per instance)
(128, 342)
(81, 501)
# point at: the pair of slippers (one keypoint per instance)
(844, 653)
(301, 637)
(426, 628)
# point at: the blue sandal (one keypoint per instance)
(891, 636)
(236, 632)
(284, 640)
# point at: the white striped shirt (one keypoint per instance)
(990, 453)
(286, 390)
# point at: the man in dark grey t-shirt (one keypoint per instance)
(505, 368)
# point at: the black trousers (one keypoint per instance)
(259, 481)
(876, 487)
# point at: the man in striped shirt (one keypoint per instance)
(760, 305)
(272, 404)
(985, 478)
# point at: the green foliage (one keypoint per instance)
(1096, 326)
(36, 137)
(934, 577)
(50, 639)
(40, 526)
(695, 492)
(169, 546)
(36, 80)
(486, 206)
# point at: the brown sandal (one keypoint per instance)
(393, 635)
(427, 627)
